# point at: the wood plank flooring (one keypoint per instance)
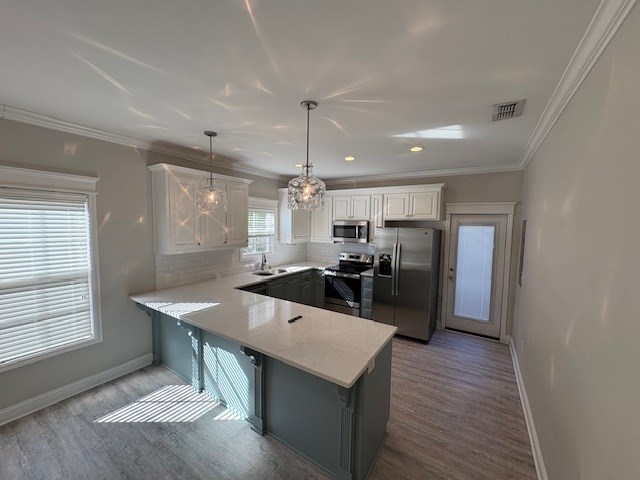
(455, 414)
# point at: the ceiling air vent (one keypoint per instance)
(504, 111)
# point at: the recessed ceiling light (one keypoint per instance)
(297, 165)
(349, 158)
(417, 148)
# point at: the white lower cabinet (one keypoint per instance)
(179, 227)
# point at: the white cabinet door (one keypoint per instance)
(179, 227)
(342, 208)
(301, 226)
(183, 218)
(294, 225)
(396, 206)
(423, 205)
(237, 214)
(376, 211)
(321, 222)
(360, 207)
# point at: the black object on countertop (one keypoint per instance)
(291, 320)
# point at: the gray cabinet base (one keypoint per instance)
(341, 430)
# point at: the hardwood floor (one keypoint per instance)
(455, 414)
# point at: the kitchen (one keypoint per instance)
(549, 335)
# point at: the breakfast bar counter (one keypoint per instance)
(319, 383)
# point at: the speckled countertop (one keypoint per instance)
(330, 345)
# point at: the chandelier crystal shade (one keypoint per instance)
(306, 191)
(211, 198)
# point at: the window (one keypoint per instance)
(262, 228)
(48, 275)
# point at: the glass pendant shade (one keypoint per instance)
(211, 198)
(306, 191)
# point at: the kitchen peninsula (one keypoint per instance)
(320, 384)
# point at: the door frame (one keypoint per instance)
(487, 208)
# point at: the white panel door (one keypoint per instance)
(476, 272)
(396, 206)
(423, 205)
(360, 207)
(341, 208)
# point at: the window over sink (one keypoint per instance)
(262, 228)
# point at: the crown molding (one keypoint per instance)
(40, 120)
(425, 173)
(603, 26)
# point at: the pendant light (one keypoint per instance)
(306, 191)
(211, 198)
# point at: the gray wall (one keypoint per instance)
(125, 245)
(577, 324)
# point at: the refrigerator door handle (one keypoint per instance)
(396, 269)
(393, 269)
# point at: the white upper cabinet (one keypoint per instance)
(351, 207)
(321, 223)
(237, 214)
(295, 225)
(424, 204)
(396, 206)
(179, 227)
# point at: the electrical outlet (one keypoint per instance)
(520, 344)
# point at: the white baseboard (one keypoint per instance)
(528, 416)
(56, 395)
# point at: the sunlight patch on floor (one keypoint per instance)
(173, 403)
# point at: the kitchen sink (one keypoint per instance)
(273, 271)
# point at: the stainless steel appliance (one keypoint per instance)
(350, 231)
(342, 282)
(405, 282)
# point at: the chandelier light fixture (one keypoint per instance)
(306, 191)
(211, 197)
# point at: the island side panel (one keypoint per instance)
(175, 344)
(228, 374)
(374, 398)
(341, 430)
(303, 412)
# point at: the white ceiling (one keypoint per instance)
(164, 71)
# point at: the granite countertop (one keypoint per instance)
(330, 345)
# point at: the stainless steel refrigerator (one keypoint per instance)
(405, 283)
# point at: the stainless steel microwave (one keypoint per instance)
(350, 231)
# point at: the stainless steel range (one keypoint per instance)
(342, 282)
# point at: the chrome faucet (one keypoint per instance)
(263, 263)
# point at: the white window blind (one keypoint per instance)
(261, 222)
(262, 230)
(45, 273)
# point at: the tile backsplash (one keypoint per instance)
(177, 270)
(183, 269)
(327, 253)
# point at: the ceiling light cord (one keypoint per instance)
(210, 160)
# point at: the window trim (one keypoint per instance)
(54, 182)
(257, 203)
